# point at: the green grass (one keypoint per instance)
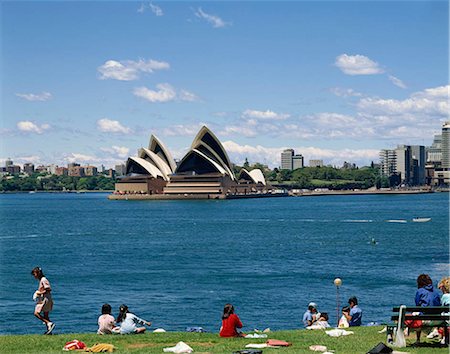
(362, 341)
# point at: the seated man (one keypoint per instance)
(353, 316)
(311, 315)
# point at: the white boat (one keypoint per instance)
(421, 219)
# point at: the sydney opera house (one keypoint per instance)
(205, 172)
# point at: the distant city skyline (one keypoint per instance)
(336, 81)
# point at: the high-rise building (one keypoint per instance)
(418, 164)
(315, 163)
(13, 169)
(90, 171)
(286, 159)
(446, 146)
(388, 162)
(404, 163)
(76, 171)
(434, 152)
(61, 171)
(297, 162)
(120, 170)
(72, 164)
(52, 169)
(28, 168)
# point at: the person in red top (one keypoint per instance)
(230, 323)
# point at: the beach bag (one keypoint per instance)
(380, 348)
(400, 341)
(74, 345)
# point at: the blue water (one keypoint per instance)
(177, 263)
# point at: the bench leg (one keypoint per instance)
(446, 336)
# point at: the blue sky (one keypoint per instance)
(90, 81)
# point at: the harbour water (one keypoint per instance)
(177, 263)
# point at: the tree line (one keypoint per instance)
(322, 177)
(38, 182)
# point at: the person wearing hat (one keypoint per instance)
(353, 316)
(311, 315)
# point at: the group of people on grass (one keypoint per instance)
(351, 316)
(127, 322)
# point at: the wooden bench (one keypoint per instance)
(434, 316)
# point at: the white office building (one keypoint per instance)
(286, 159)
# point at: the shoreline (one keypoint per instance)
(267, 195)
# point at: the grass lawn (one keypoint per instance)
(362, 341)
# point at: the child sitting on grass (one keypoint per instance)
(321, 323)
(106, 322)
(128, 322)
(230, 323)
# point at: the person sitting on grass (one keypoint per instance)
(343, 323)
(128, 322)
(354, 316)
(311, 315)
(106, 322)
(230, 323)
(321, 323)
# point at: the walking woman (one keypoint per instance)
(43, 298)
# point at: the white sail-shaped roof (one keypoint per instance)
(258, 176)
(208, 164)
(208, 151)
(147, 166)
(207, 138)
(160, 149)
(161, 164)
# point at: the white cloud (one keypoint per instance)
(182, 130)
(129, 70)
(43, 96)
(156, 9)
(214, 20)
(76, 157)
(188, 96)
(31, 127)
(117, 151)
(112, 126)
(141, 8)
(357, 65)
(239, 130)
(397, 82)
(165, 93)
(271, 156)
(343, 92)
(264, 115)
(424, 104)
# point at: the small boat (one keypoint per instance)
(400, 221)
(421, 219)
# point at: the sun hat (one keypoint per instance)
(312, 304)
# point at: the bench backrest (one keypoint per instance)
(426, 310)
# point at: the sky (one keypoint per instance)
(89, 82)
